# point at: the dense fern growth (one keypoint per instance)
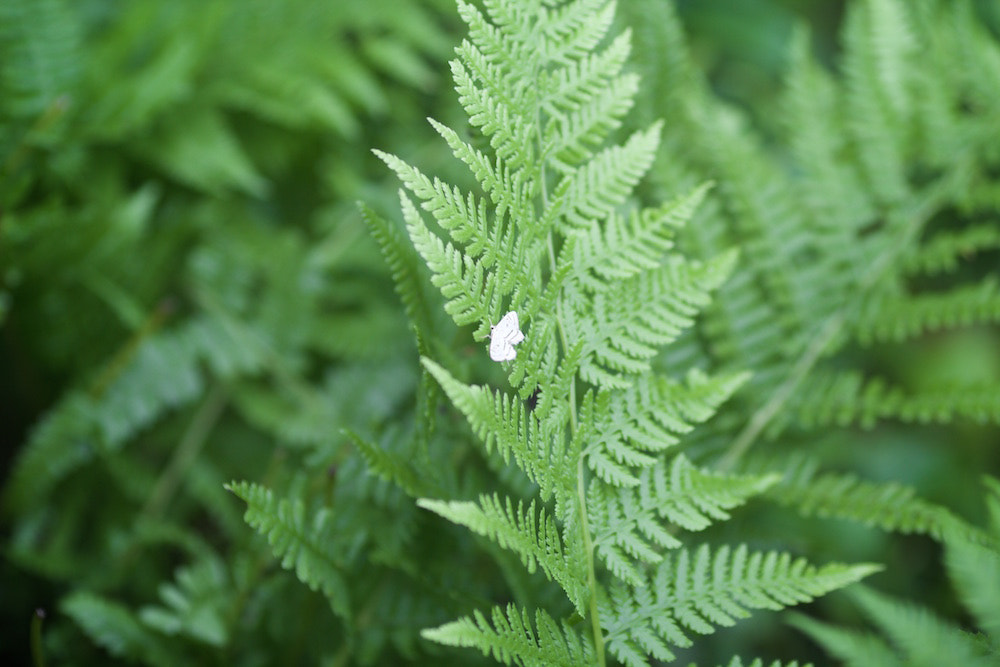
(883, 233)
(628, 345)
(553, 235)
(186, 294)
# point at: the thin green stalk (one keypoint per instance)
(187, 451)
(37, 654)
(581, 496)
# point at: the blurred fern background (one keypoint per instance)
(189, 295)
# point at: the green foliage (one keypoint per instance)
(758, 294)
(915, 635)
(700, 590)
(299, 541)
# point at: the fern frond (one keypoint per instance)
(943, 252)
(165, 372)
(538, 448)
(596, 190)
(627, 322)
(623, 247)
(854, 649)
(511, 638)
(628, 522)
(389, 467)
(531, 533)
(916, 636)
(404, 266)
(974, 568)
(890, 506)
(830, 188)
(896, 317)
(845, 398)
(298, 540)
(469, 297)
(507, 189)
(569, 138)
(195, 605)
(113, 626)
(630, 426)
(465, 218)
(878, 90)
(40, 56)
(694, 592)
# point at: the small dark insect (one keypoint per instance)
(533, 399)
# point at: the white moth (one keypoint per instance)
(504, 336)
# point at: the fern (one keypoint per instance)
(296, 539)
(700, 590)
(112, 626)
(863, 236)
(915, 635)
(40, 49)
(600, 289)
(710, 293)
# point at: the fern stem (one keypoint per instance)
(187, 451)
(588, 548)
(762, 417)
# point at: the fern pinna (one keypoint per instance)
(599, 290)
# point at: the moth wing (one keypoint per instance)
(506, 325)
(515, 335)
(499, 347)
(504, 336)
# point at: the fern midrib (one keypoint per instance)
(581, 495)
(834, 324)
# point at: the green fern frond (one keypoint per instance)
(623, 247)
(404, 265)
(512, 638)
(878, 90)
(916, 636)
(40, 56)
(846, 398)
(890, 506)
(531, 533)
(598, 188)
(626, 323)
(628, 522)
(502, 422)
(299, 540)
(897, 317)
(852, 648)
(974, 568)
(165, 372)
(389, 467)
(944, 252)
(196, 605)
(473, 291)
(830, 189)
(113, 626)
(694, 592)
(506, 189)
(631, 426)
